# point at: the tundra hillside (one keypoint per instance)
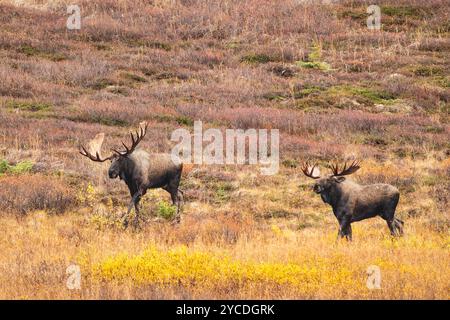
(335, 89)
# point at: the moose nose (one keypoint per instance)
(112, 174)
(317, 188)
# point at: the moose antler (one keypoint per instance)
(346, 170)
(134, 140)
(94, 146)
(309, 170)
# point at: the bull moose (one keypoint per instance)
(140, 171)
(353, 202)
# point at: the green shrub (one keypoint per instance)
(296, 94)
(19, 168)
(427, 71)
(306, 91)
(431, 180)
(31, 51)
(372, 95)
(183, 120)
(166, 210)
(275, 96)
(223, 191)
(257, 58)
(163, 118)
(149, 44)
(434, 129)
(4, 166)
(28, 50)
(442, 81)
(28, 106)
(314, 60)
(101, 119)
(403, 11)
(290, 163)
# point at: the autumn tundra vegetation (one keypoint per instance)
(336, 91)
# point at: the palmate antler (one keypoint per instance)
(345, 170)
(95, 146)
(98, 141)
(308, 170)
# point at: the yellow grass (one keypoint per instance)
(273, 262)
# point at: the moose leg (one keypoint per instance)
(395, 226)
(176, 202)
(345, 229)
(399, 224)
(136, 209)
(180, 196)
(175, 193)
(348, 232)
(133, 203)
(392, 228)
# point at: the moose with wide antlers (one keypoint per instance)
(140, 170)
(352, 202)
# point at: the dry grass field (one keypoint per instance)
(334, 89)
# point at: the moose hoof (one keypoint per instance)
(135, 223)
(176, 220)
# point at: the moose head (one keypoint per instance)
(118, 158)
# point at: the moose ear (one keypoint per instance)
(339, 179)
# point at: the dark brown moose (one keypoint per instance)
(141, 171)
(353, 202)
